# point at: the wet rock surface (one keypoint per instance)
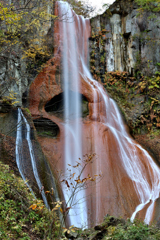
(98, 135)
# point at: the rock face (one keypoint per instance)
(17, 69)
(13, 78)
(124, 40)
(131, 41)
(130, 178)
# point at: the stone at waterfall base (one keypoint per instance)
(117, 228)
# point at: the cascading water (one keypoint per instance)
(130, 185)
(131, 160)
(72, 108)
(19, 149)
(19, 154)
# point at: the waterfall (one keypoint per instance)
(19, 154)
(19, 150)
(72, 110)
(128, 150)
(133, 166)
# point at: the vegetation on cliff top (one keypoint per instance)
(26, 23)
(27, 32)
(149, 5)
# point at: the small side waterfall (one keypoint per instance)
(19, 149)
(22, 121)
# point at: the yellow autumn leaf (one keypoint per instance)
(47, 192)
(33, 206)
(41, 207)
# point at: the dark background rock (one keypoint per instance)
(134, 36)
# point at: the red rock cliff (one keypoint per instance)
(130, 181)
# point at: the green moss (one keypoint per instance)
(118, 229)
(28, 111)
(45, 133)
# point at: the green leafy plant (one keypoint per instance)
(148, 5)
(22, 216)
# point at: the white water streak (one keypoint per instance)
(19, 149)
(19, 154)
(128, 150)
(72, 111)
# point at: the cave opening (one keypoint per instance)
(46, 128)
(56, 105)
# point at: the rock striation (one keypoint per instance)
(131, 39)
